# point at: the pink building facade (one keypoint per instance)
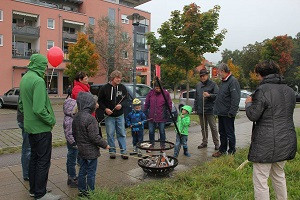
(33, 26)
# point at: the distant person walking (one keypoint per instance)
(273, 140)
(226, 107)
(206, 90)
(39, 120)
(69, 91)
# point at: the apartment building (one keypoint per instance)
(34, 26)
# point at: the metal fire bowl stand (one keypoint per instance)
(157, 171)
(158, 146)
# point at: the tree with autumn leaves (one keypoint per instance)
(82, 57)
(186, 36)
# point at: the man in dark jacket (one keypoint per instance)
(226, 107)
(112, 99)
(206, 90)
(86, 134)
(273, 140)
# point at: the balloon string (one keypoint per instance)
(51, 78)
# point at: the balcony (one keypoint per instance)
(24, 54)
(69, 36)
(26, 30)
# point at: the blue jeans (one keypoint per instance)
(161, 128)
(25, 157)
(87, 174)
(137, 136)
(180, 141)
(71, 161)
(227, 135)
(112, 125)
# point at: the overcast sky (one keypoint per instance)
(246, 21)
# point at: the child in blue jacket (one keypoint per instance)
(135, 120)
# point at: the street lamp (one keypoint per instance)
(135, 17)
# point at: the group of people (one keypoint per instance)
(270, 107)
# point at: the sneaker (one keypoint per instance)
(124, 156)
(83, 194)
(112, 155)
(218, 154)
(134, 152)
(201, 146)
(50, 196)
(72, 182)
(47, 190)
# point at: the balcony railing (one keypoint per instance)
(24, 54)
(70, 36)
(26, 30)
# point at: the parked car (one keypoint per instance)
(10, 98)
(141, 92)
(183, 96)
(244, 95)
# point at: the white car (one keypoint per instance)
(182, 99)
(244, 95)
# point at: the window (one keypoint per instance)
(1, 15)
(50, 44)
(125, 36)
(92, 20)
(51, 23)
(112, 15)
(1, 40)
(124, 19)
(125, 54)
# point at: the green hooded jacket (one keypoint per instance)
(34, 101)
(183, 123)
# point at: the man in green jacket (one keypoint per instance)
(39, 120)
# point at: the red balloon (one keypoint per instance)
(55, 56)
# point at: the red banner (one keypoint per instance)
(157, 71)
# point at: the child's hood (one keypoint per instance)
(69, 106)
(86, 102)
(187, 108)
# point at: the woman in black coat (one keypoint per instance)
(273, 141)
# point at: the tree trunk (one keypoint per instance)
(187, 87)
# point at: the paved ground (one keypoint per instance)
(110, 173)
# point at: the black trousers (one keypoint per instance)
(227, 134)
(39, 165)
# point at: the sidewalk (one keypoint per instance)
(118, 172)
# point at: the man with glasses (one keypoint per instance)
(206, 93)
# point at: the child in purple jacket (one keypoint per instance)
(70, 108)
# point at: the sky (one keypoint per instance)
(246, 21)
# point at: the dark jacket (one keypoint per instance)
(228, 98)
(85, 128)
(210, 87)
(110, 96)
(156, 107)
(273, 136)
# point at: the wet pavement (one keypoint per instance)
(110, 173)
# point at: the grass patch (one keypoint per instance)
(216, 179)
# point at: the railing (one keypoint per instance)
(23, 55)
(26, 30)
(71, 36)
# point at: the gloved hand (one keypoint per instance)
(74, 145)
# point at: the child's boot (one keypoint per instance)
(186, 152)
(134, 152)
